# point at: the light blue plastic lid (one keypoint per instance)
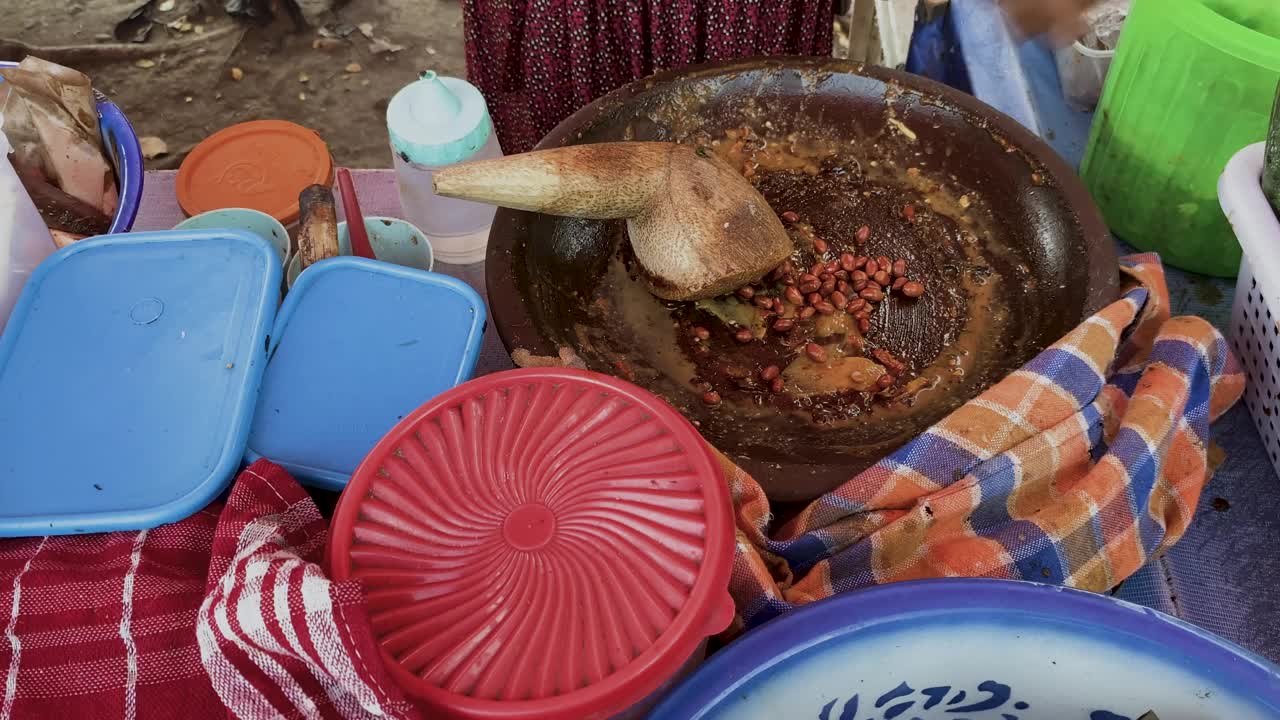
(359, 344)
(128, 375)
(438, 120)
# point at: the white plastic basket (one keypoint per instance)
(1255, 313)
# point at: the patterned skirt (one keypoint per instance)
(537, 61)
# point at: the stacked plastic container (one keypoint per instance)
(162, 358)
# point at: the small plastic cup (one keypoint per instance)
(395, 241)
(255, 221)
(1082, 71)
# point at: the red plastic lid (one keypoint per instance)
(542, 543)
(261, 165)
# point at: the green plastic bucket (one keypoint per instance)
(1191, 84)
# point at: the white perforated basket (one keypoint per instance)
(1255, 313)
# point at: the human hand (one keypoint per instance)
(1062, 19)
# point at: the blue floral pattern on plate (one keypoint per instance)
(991, 700)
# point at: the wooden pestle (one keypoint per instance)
(697, 227)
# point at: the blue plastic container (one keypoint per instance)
(976, 649)
(357, 346)
(128, 375)
(126, 155)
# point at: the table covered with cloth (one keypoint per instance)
(1078, 469)
(1222, 576)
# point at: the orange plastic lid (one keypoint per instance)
(262, 165)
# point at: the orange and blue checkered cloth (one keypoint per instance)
(1076, 469)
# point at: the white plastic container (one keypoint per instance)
(1082, 71)
(433, 123)
(24, 238)
(1255, 314)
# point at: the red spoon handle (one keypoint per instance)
(360, 246)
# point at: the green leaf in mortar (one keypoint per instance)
(734, 313)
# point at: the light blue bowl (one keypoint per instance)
(125, 153)
(393, 240)
(255, 221)
(978, 650)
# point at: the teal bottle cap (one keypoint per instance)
(438, 120)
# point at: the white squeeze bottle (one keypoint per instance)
(435, 122)
(24, 239)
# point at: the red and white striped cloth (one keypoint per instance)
(227, 613)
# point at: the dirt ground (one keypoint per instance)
(178, 85)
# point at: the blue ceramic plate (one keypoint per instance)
(970, 649)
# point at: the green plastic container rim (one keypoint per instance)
(1221, 32)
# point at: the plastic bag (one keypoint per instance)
(51, 119)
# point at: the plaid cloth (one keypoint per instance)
(1075, 470)
(225, 614)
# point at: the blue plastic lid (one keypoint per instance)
(358, 345)
(128, 375)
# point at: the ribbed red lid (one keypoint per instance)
(541, 543)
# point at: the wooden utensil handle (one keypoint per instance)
(318, 230)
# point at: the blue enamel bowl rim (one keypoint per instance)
(126, 155)
(764, 649)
